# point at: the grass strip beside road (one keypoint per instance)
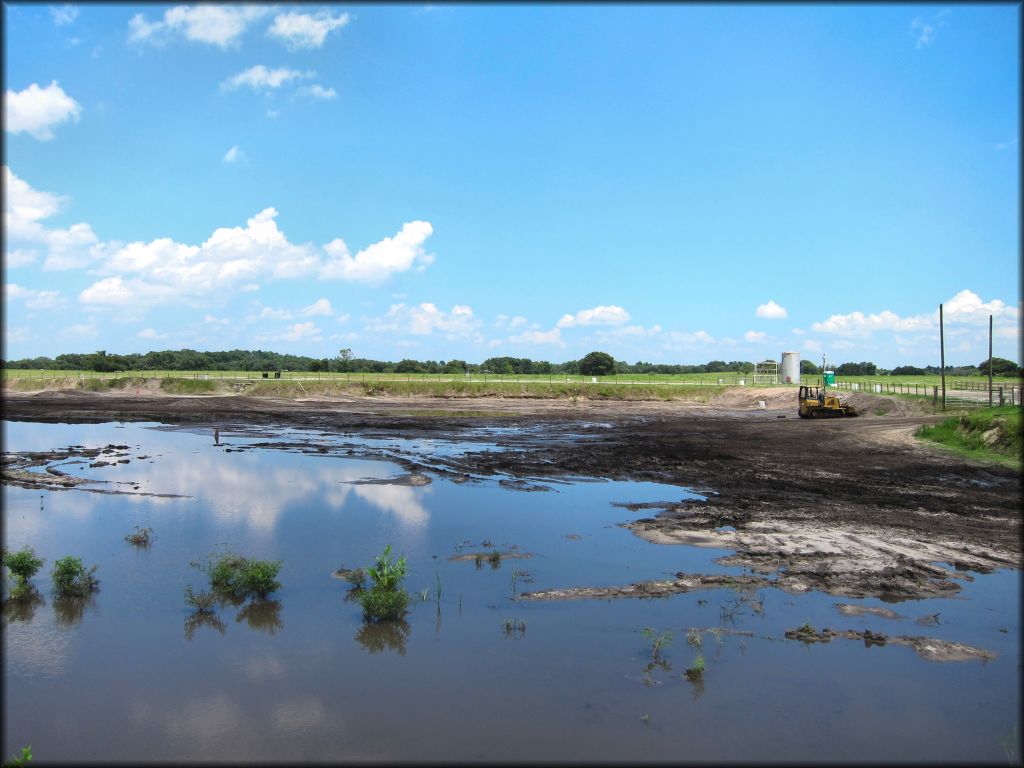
(991, 434)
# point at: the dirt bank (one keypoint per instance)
(853, 507)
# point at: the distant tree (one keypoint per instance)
(716, 366)
(807, 368)
(1000, 367)
(408, 366)
(455, 366)
(344, 360)
(597, 364)
(857, 369)
(907, 370)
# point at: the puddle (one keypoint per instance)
(474, 672)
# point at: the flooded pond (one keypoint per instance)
(474, 672)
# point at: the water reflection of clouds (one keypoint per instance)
(399, 500)
(36, 647)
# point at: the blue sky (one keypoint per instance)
(668, 183)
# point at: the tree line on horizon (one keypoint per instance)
(592, 364)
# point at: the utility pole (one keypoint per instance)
(942, 358)
(990, 361)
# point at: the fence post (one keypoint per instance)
(935, 395)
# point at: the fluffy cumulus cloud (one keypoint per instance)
(33, 299)
(36, 111)
(539, 338)
(260, 78)
(218, 25)
(234, 155)
(425, 319)
(754, 336)
(610, 315)
(966, 307)
(771, 311)
(304, 30)
(376, 262)
(25, 210)
(150, 333)
(162, 271)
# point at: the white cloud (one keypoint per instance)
(318, 307)
(754, 336)
(144, 274)
(149, 333)
(382, 259)
(33, 299)
(687, 339)
(295, 332)
(260, 78)
(537, 338)
(234, 155)
(926, 30)
(1001, 145)
(214, 320)
(19, 257)
(37, 110)
(426, 318)
(799, 331)
(304, 30)
(81, 331)
(965, 307)
(64, 14)
(812, 346)
(771, 310)
(317, 91)
(219, 25)
(610, 315)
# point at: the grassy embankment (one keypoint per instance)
(992, 434)
(338, 387)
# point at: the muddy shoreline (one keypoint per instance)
(852, 507)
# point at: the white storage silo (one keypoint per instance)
(791, 367)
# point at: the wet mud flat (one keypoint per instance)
(852, 507)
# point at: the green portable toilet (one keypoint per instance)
(830, 378)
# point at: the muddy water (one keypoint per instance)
(472, 673)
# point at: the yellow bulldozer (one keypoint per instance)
(816, 404)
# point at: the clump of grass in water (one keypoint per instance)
(807, 627)
(72, 579)
(23, 565)
(494, 559)
(657, 641)
(241, 577)
(201, 602)
(514, 627)
(696, 672)
(141, 538)
(386, 600)
(693, 638)
(20, 760)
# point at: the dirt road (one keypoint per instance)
(852, 507)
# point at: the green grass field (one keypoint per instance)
(902, 385)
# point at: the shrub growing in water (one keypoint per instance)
(23, 564)
(386, 599)
(242, 577)
(72, 579)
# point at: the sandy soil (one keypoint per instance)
(853, 507)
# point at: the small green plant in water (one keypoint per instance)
(20, 760)
(241, 577)
(494, 559)
(807, 627)
(693, 638)
(514, 627)
(23, 565)
(657, 641)
(696, 672)
(386, 599)
(141, 538)
(72, 579)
